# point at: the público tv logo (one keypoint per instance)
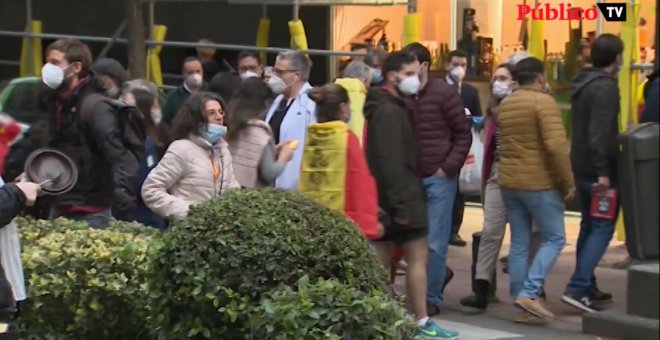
(613, 11)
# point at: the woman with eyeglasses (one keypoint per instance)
(197, 165)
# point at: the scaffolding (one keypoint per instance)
(30, 35)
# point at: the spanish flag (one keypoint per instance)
(334, 172)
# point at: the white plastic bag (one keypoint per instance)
(10, 258)
(469, 180)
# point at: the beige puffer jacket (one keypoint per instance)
(185, 176)
(246, 150)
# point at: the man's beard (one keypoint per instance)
(65, 86)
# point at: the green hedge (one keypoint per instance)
(219, 261)
(85, 283)
(328, 309)
(231, 270)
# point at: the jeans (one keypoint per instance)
(547, 208)
(595, 236)
(99, 220)
(440, 193)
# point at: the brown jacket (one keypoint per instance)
(534, 148)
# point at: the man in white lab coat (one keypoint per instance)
(292, 111)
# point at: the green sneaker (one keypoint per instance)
(431, 331)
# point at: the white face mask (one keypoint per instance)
(410, 85)
(52, 75)
(277, 84)
(501, 89)
(194, 81)
(458, 73)
(248, 74)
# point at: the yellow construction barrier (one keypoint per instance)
(536, 39)
(263, 33)
(34, 45)
(298, 37)
(154, 72)
(628, 82)
(412, 28)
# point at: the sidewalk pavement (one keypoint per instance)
(611, 275)
(609, 279)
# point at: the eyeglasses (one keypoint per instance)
(212, 113)
(279, 72)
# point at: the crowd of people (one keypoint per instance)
(383, 144)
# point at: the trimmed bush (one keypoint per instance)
(133, 229)
(32, 230)
(229, 251)
(85, 283)
(328, 309)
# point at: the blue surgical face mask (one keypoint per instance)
(213, 132)
(376, 75)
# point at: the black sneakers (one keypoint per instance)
(600, 297)
(583, 303)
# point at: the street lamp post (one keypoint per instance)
(599, 22)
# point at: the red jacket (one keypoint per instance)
(442, 130)
(7, 135)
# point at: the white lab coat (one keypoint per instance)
(10, 257)
(300, 115)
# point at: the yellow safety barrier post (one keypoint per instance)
(33, 45)
(537, 32)
(154, 72)
(263, 33)
(412, 28)
(298, 37)
(628, 84)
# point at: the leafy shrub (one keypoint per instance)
(231, 250)
(328, 309)
(133, 228)
(32, 230)
(85, 284)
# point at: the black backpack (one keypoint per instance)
(132, 125)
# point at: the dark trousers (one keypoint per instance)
(457, 213)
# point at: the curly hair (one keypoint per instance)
(191, 118)
(251, 101)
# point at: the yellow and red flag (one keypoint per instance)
(334, 172)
